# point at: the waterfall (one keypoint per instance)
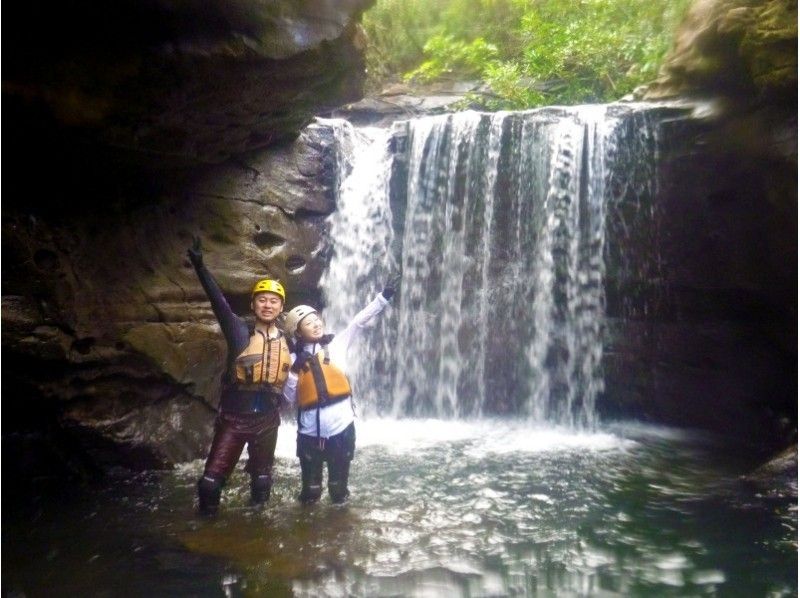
(361, 262)
(498, 222)
(361, 225)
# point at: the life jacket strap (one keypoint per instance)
(319, 380)
(329, 402)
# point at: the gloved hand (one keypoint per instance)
(195, 252)
(391, 286)
(300, 360)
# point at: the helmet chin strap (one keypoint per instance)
(265, 325)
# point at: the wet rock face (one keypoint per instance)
(182, 82)
(743, 49)
(136, 125)
(105, 323)
(702, 314)
(703, 325)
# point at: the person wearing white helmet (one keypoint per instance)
(257, 368)
(319, 387)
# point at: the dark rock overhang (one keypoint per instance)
(177, 82)
(129, 127)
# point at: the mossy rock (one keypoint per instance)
(743, 49)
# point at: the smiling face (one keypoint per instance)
(266, 307)
(311, 328)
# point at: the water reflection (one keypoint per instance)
(438, 509)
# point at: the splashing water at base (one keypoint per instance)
(485, 435)
(438, 508)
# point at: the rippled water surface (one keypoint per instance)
(437, 509)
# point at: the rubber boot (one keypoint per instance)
(338, 472)
(260, 488)
(310, 493)
(209, 491)
(311, 477)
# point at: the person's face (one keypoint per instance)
(311, 328)
(267, 306)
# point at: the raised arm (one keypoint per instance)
(362, 318)
(229, 322)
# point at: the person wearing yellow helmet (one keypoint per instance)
(319, 387)
(257, 369)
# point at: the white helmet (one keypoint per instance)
(293, 318)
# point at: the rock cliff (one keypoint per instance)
(710, 321)
(131, 127)
(741, 50)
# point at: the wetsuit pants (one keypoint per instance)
(337, 451)
(231, 432)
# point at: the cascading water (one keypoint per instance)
(362, 259)
(500, 231)
(361, 225)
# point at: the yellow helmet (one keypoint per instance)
(269, 285)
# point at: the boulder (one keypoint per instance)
(778, 476)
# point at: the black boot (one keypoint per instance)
(209, 490)
(338, 472)
(311, 475)
(260, 488)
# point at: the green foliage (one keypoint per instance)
(467, 58)
(526, 52)
(398, 31)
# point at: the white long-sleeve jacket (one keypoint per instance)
(333, 419)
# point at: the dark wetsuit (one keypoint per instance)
(246, 416)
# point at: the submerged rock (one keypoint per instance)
(778, 477)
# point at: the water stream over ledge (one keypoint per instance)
(498, 224)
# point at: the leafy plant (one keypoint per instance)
(526, 52)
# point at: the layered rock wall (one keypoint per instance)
(134, 127)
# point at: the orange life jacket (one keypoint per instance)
(321, 383)
(263, 363)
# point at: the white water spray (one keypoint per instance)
(361, 263)
(501, 240)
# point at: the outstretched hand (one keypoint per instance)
(195, 252)
(391, 286)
